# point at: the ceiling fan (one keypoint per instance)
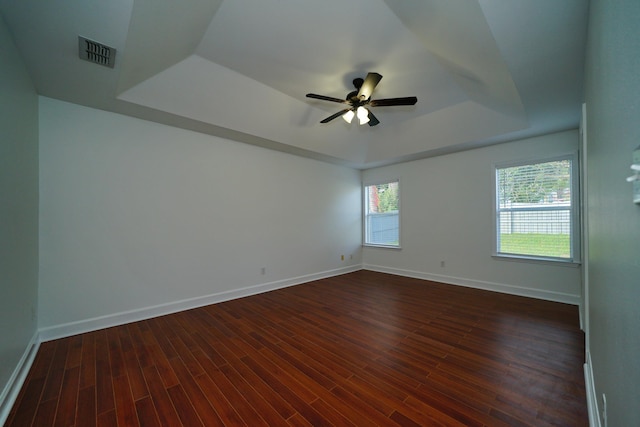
(360, 99)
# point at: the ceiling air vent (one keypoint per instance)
(96, 52)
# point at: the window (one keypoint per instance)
(537, 210)
(382, 214)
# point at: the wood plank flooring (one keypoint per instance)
(359, 349)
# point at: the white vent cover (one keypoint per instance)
(95, 52)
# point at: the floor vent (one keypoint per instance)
(95, 52)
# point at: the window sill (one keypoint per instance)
(536, 260)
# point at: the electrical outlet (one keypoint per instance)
(351, 256)
(263, 270)
(604, 410)
(442, 264)
(342, 257)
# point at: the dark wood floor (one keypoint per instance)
(360, 349)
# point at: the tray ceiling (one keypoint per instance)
(484, 71)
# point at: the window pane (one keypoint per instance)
(382, 214)
(535, 209)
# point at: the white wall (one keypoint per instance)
(135, 215)
(613, 132)
(18, 217)
(446, 215)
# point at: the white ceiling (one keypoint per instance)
(484, 71)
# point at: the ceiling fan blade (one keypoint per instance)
(373, 120)
(409, 100)
(335, 116)
(369, 85)
(327, 98)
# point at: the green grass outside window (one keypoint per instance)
(546, 245)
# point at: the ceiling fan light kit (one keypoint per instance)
(360, 99)
(348, 116)
(363, 115)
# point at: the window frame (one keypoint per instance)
(365, 214)
(575, 225)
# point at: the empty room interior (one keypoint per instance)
(374, 212)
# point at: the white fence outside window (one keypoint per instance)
(526, 218)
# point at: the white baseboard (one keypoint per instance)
(101, 322)
(96, 323)
(19, 375)
(592, 398)
(478, 284)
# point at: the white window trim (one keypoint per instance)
(365, 208)
(575, 260)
